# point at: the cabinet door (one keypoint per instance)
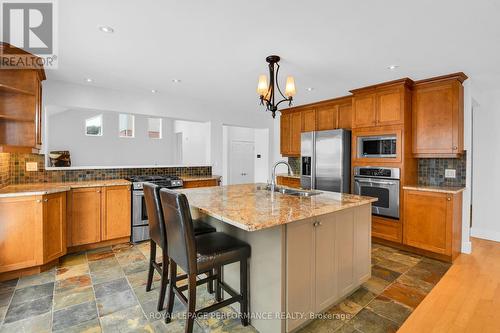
(345, 116)
(438, 119)
(427, 221)
(300, 271)
(308, 120)
(364, 111)
(285, 134)
(295, 130)
(84, 226)
(344, 239)
(54, 226)
(326, 265)
(20, 232)
(116, 214)
(390, 107)
(327, 117)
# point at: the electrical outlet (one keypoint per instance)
(31, 166)
(450, 173)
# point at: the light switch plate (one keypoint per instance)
(450, 173)
(31, 166)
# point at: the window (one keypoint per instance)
(126, 126)
(93, 126)
(154, 128)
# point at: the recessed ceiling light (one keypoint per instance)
(176, 81)
(88, 80)
(154, 91)
(392, 67)
(106, 29)
(310, 89)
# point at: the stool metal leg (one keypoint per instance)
(244, 292)
(152, 257)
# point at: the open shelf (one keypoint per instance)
(11, 90)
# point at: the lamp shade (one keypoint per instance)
(290, 87)
(262, 86)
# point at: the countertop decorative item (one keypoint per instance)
(60, 158)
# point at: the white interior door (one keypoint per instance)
(241, 162)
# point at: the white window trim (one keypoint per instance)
(133, 126)
(161, 129)
(102, 126)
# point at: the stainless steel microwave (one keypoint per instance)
(377, 146)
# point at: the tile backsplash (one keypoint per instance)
(4, 169)
(19, 175)
(295, 164)
(431, 171)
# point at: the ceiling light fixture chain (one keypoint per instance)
(268, 92)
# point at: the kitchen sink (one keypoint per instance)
(290, 191)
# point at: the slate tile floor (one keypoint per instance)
(103, 290)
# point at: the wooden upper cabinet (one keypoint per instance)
(390, 106)
(309, 120)
(295, 131)
(116, 212)
(54, 226)
(327, 116)
(364, 110)
(438, 117)
(285, 133)
(345, 116)
(84, 225)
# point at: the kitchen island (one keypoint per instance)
(307, 252)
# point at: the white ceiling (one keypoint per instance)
(218, 47)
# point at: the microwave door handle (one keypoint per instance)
(375, 182)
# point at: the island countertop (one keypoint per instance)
(250, 208)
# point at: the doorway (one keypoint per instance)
(241, 162)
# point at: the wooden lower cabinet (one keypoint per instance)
(98, 214)
(32, 231)
(288, 181)
(386, 228)
(200, 183)
(330, 257)
(116, 212)
(433, 221)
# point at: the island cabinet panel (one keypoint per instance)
(326, 262)
(116, 214)
(84, 224)
(438, 119)
(54, 226)
(20, 232)
(345, 234)
(363, 243)
(309, 122)
(300, 271)
(364, 110)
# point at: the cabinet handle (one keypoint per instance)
(455, 147)
(98, 191)
(448, 198)
(45, 200)
(38, 200)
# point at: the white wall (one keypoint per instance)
(57, 93)
(196, 141)
(486, 163)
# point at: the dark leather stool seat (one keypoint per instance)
(218, 249)
(201, 228)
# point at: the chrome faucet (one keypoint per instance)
(273, 173)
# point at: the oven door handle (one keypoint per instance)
(375, 182)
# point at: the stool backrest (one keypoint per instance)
(157, 230)
(180, 230)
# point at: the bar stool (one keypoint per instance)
(197, 255)
(158, 236)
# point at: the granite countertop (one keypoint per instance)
(196, 178)
(440, 189)
(289, 176)
(48, 188)
(249, 208)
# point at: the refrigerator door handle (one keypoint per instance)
(313, 162)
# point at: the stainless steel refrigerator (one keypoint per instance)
(325, 160)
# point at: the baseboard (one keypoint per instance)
(485, 234)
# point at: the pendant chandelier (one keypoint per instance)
(268, 93)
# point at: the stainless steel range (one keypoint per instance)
(140, 223)
(381, 183)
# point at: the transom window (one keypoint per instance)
(154, 128)
(126, 126)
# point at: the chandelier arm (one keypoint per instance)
(284, 100)
(277, 81)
